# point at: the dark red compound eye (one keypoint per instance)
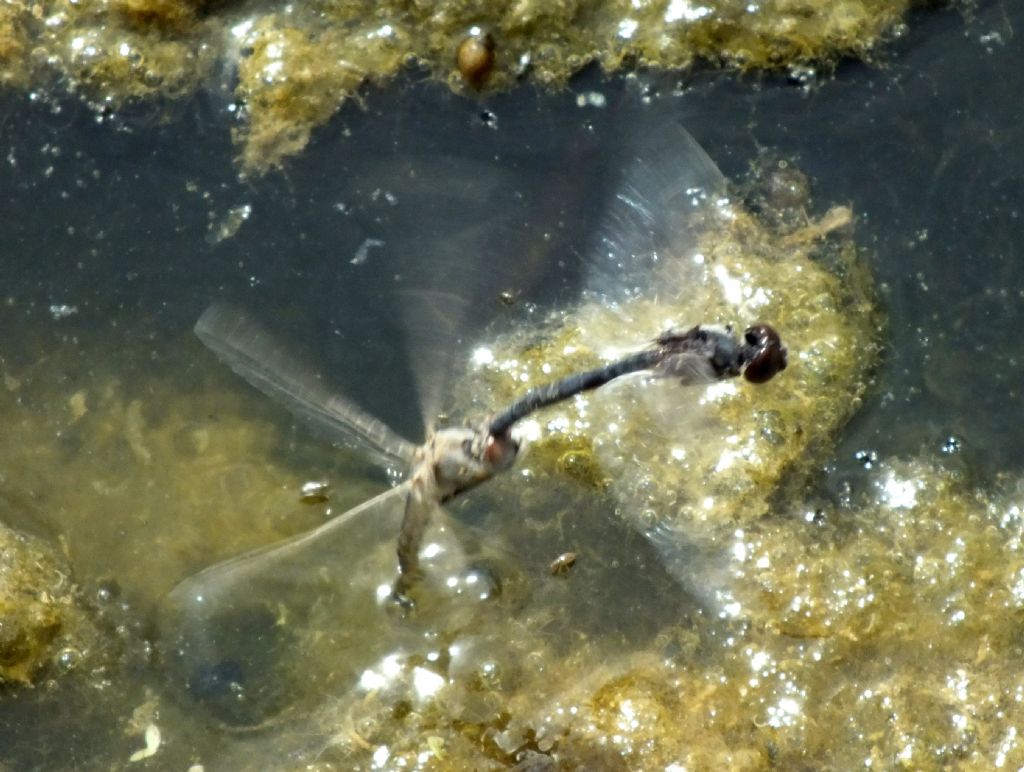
(770, 355)
(500, 451)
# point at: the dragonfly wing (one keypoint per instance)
(472, 239)
(455, 267)
(256, 635)
(507, 230)
(657, 210)
(419, 510)
(214, 581)
(265, 363)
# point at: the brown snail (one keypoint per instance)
(475, 57)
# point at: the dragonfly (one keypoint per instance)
(453, 460)
(222, 647)
(450, 462)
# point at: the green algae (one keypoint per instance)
(289, 87)
(131, 456)
(720, 464)
(297, 65)
(15, 68)
(120, 51)
(887, 642)
(44, 629)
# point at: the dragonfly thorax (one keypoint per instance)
(463, 457)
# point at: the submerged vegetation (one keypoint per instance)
(44, 631)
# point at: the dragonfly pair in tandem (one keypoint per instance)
(453, 460)
(262, 633)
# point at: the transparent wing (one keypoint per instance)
(245, 634)
(262, 361)
(701, 566)
(669, 199)
(262, 635)
(457, 240)
(657, 210)
(467, 240)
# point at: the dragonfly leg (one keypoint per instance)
(418, 508)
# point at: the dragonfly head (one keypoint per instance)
(767, 357)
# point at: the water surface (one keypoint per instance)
(884, 590)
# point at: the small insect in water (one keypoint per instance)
(560, 566)
(475, 57)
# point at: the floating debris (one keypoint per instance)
(229, 225)
(62, 311)
(152, 737)
(591, 99)
(363, 252)
(561, 565)
(315, 492)
(77, 405)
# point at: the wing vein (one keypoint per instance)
(265, 364)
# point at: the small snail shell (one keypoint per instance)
(475, 58)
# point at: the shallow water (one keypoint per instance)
(135, 451)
